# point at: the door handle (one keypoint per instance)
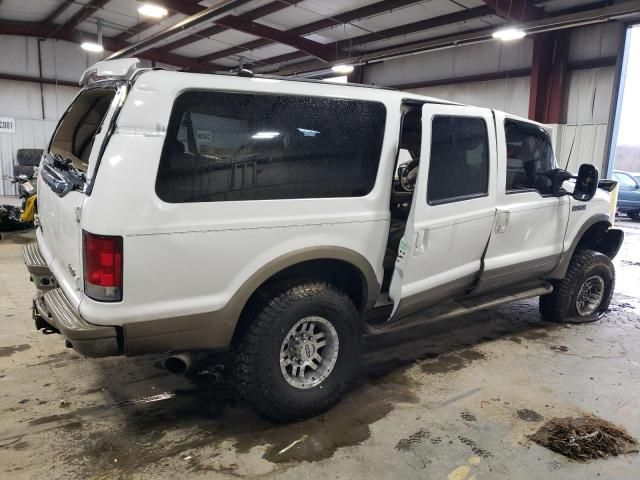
(419, 243)
(502, 220)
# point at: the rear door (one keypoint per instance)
(453, 209)
(531, 223)
(69, 167)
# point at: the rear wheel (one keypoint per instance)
(635, 216)
(298, 355)
(585, 293)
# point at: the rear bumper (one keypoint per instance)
(52, 311)
(90, 340)
(39, 272)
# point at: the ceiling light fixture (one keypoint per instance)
(265, 135)
(507, 34)
(91, 47)
(344, 69)
(151, 10)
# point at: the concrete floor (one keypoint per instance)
(454, 400)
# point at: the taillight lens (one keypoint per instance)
(102, 267)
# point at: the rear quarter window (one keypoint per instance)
(223, 146)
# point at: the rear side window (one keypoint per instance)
(74, 136)
(223, 146)
(459, 163)
(529, 157)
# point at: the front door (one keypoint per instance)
(528, 236)
(453, 208)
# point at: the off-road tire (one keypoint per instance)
(635, 216)
(260, 381)
(28, 157)
(560, 305)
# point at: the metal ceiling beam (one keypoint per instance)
(419, 26)
(339, 19)
(57, 12)
(205, 15)
(628, 11)
(516, 10)
(315, 49)
(81, 15)
(32, 29)
(259, 12)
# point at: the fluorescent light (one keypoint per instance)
(91, 47)
(507, 34)
(342, 68)
(341, 79)
(265, 135)
(151, 10)
(265, 80)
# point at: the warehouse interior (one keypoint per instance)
(459, 399)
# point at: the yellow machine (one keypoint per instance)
(29, 212)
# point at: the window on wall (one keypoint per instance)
(459, 162)
(223, 146)
(529, 157)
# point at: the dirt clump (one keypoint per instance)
(584, 438)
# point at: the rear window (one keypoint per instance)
(223, 146)
(73, 139)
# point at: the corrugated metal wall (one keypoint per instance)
(509, 95)
(29, 134)
(23, 101)
(583, 139)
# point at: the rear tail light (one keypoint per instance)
(102, 267)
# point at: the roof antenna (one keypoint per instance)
(241, 71)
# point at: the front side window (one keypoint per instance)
(459, 163)
(223, 146)
(529, 157)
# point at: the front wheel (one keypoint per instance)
(298, 355)
(635, 216)
(585, 292)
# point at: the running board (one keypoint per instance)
(462, 307)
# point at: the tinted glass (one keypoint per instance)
(224, 146)
(529, 156)
(459, 163)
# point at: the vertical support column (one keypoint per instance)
(549, 77)
(357, 76)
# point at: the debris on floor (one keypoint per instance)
(585, 438)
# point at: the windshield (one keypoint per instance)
(76, 131)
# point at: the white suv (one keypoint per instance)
(283, 219)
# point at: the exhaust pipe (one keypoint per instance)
(178, 363)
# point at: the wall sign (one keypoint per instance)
(7, 125)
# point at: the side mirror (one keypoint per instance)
(558, 177)
(586, 183)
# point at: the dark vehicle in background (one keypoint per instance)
(628, 195)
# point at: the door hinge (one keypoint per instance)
(77, 213)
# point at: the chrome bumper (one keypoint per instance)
(53, 313)
(39, 272)
(54, 310)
